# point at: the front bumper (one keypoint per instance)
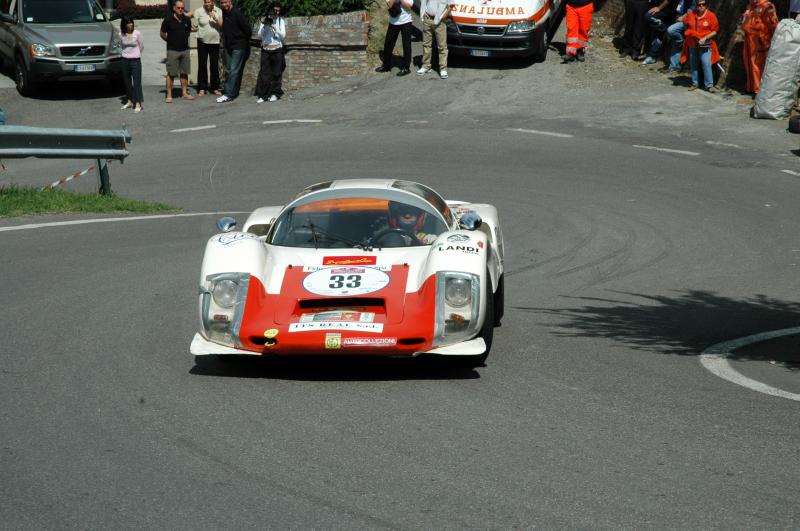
(203, 347)
(55, 67)
(464, 39)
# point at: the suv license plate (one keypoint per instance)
(83, 68)
(479, 53)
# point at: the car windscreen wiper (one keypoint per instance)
(316, 229)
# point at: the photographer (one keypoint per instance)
(270, 76)
(399, 22)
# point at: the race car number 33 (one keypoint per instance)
(338, 281)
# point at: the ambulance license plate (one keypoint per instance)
(479, 53)
(83, 68)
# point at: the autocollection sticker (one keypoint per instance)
(369, 341)
(337, 281)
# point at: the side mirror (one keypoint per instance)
(470, 221)
(226, 224)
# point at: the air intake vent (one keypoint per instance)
(344, 302)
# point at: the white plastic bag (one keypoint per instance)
(781, 73)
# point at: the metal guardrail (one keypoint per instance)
(20, 142)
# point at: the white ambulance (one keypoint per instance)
(502, 28)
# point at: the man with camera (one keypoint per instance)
(270, 76)
(400, 21)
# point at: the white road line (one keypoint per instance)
(110, 220)
(416, 121)
(298, 121)
(790, 172)
(667, 150)
(546, 133)
(198, 128)
(715, 359)
(723, 144)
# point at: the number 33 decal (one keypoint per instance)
(338, 281)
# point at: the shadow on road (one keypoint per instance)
(684, 324)
(327, 368)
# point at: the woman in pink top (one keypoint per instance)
(132, 46)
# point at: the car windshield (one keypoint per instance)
(61, 11)
(356, 222)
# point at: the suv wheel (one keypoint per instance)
(22, 78)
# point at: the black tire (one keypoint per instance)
(794, 124)
(22, 77)
(499, 301)
(541, 48)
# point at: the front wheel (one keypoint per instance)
(22, 78)
(541, 47)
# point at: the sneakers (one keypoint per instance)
(403, 72)
(649, 61)
(712, 90)
(423, 70)
(273, 98)
(260, 100)
(568, 57)
(382, 69)
(223, 99)
(692, 88)
(443, 73)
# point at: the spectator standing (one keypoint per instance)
(794, 8)
(132, 48)
(399, 22)
(236, 33)
(434, 13)
(175, 32)
(699, 47)
(758, 23)
(675, 35)
(270, 76)
(635, 28)
(579, 22)
(209, 26)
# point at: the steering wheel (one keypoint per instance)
(375, 240)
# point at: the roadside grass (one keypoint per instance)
(22, 200)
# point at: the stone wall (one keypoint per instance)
(318, 50)
(730, 44)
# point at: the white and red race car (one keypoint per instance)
(370, 267)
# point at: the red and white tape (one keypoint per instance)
(67, 179)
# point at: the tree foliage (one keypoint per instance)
(300, 8)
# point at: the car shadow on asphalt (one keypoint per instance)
(70, 89)
(685, 323)
(332, 368)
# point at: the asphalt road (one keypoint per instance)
(624, 262)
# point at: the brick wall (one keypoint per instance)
(318, 50)
(730, 44)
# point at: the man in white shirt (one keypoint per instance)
(270, 76)
(399, 22)
(434, 13)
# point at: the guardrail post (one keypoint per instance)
(102, 176)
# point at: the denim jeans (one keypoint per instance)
(658, 23)
(703, 56)
(234, 64)
(675, 36)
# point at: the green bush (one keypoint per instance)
(255, 9)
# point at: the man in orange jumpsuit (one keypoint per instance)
(579, 22)
(758, 22)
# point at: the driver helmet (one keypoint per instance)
(404, 216)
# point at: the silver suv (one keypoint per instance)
(51, 39)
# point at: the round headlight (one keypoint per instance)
(224, 293)
(458, 291)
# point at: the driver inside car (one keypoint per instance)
(409, 219)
